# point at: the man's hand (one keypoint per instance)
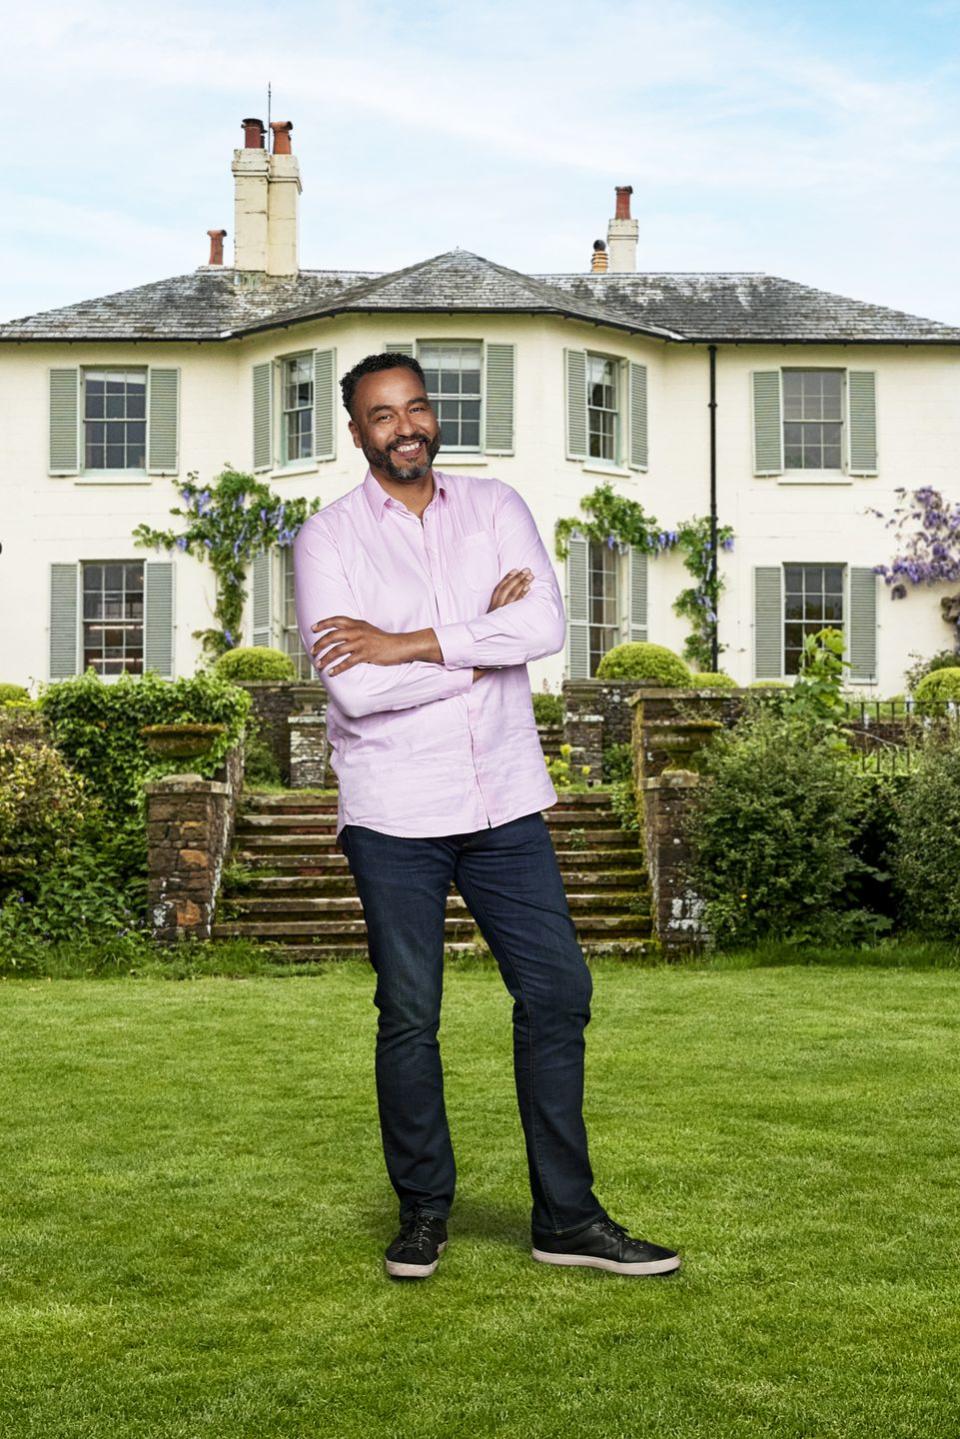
(513, 586)
(354, 641)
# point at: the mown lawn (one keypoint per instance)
(194, 1209)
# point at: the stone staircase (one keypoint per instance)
(289, 885)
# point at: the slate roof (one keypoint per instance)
(217, 304)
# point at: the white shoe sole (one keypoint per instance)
(592, 1261)
(414, 1271)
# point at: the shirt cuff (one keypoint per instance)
(455, 643)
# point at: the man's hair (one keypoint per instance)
(387, 361)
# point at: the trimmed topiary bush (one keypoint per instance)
(642, 661)
(14, 695)
(937, 689)
(708, 680)
(255, 662)
(547, 708)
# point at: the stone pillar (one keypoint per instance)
(308, 751)
(677, 911)
(189, 829)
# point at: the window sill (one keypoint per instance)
(461, 457)
(596, 467)
(301, 467)
(815, 477)
(113, 477)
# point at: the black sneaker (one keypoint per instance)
(415, 1253)
(606, 1245)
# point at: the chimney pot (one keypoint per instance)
(216, 246)
(623, 202)
(253, 133)
(600, 261)
(281, 136)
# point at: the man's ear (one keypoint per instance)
(354, 429)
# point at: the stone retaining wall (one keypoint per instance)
(273, 702)
(189, 829)
(676, 911)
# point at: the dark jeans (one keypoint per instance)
(511, 883)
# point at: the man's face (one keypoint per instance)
(394, 425)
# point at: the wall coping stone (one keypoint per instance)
(673, 779)
(186, 784)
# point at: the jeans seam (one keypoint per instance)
(533, 1116)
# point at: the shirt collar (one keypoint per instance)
(377, 497)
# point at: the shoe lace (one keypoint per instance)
(417, 1228)
(612, 1227)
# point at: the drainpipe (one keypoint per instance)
(715, 640)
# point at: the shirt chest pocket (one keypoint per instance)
(474, 561)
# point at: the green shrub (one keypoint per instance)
(937, 689)
(712, 680)
(97, 727)
(926, 861)
(43, 807)
(255, 662)
(772, 832)
(770, 685)
(617, 762)
(566, 775)
(14, 695)
(942, 660)
(259, 761)
(547, 708)
(642, 661)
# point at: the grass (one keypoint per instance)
(194, 1209)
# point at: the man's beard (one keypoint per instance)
(383, 459)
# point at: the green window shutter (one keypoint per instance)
(637, 572)
(638, 416)
(575, 369)
(501, 364)
(862, 629)
(398, 347)
(768, 622)
(263, 416)
(578, 611)
(164, 391)
(64, 422)
(767, 423)
(262, 589)
(324, 404)
(158, 617)
(862, 421)
(64, 581)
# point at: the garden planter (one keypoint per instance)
(181, 741)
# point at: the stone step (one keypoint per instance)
(260, 906)
(323, 951)
(311, 801)
(264, 841)
(341, 881)
(326, 859)
(593, 926)
(317, 822)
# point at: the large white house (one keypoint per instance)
(823, 407)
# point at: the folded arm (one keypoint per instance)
(322, 588)
(529, 627)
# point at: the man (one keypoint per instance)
(429, 593)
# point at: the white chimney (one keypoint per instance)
(622, 232)
(266, 225)
(283, 196)
(251, 181)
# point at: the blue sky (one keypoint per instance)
(818, 141)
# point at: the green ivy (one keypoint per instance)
(615, 520)
(96, 726)
(227, 523)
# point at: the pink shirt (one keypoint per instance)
(419, 749)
